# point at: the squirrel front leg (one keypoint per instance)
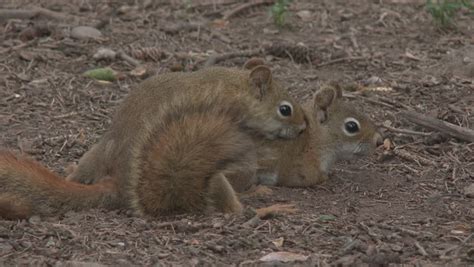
(221, 195)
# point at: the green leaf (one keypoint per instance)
(327, 218)
(102, 74)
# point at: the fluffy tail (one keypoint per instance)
(184, 165)
(27, 188)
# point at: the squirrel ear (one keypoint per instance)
(337, 87)
(261, 78)
(324, 98)
(253, 62)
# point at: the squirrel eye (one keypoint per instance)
(285, 109)
(351, 126)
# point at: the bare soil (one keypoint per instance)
(388, 208)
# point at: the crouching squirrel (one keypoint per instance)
(336, 131)
(170, 148)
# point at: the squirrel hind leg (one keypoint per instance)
(157, 194)
(14, 208)
(221, 196)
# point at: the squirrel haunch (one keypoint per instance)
(170, 148)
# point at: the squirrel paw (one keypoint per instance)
(277, 209)
(70, 169)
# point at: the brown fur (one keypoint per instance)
(28, 189)
(173, 143)
(306, 160)
(111, 155)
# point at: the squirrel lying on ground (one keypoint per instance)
(336, 131)
(170, 148)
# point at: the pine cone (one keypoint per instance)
(147, 53)
(298, 53)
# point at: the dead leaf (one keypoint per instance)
(469, 191)
(283, 256)
(277, 209)
(219, 23)
(278, 242)
(104, 53)
(140, 72)
(305, 15)
(194, 242)
(327, 218)
(411, 56)
(387, 144)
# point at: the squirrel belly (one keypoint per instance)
(30, 189)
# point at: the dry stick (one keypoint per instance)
(339, 60)
(221, 57)
(408, 156)
(369, 100)
(245, 6)
(404, 131)
(22, 45)
(395, 103)
(461, 133)
(128, 58)
(195, 27)
(407, 231)
(6, 14)
(420, 249)
(210, 4)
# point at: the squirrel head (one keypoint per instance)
(348, 133)
(286, 118)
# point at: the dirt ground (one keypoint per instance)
(408, 207)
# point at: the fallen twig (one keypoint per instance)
(402, 230)
(420, 249)
(408, 156)
(6, 14)
(221, 57)
(188, 27)
(210, 4)
(128, 58)
(339, 60)
(369, 100)
(374, 236)
(22, 45)
(450, 129)
(243, 7)
(404, 131)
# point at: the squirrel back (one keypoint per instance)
(181, 165)
(336, 131)
(148, 101)
(178, 160)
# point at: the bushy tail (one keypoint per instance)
(27, 188)
(184, 164)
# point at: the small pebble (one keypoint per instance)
(469, 191)
(85, 32)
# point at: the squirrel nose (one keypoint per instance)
(378, 139)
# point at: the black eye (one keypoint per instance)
(351, 127)
(285, 110)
